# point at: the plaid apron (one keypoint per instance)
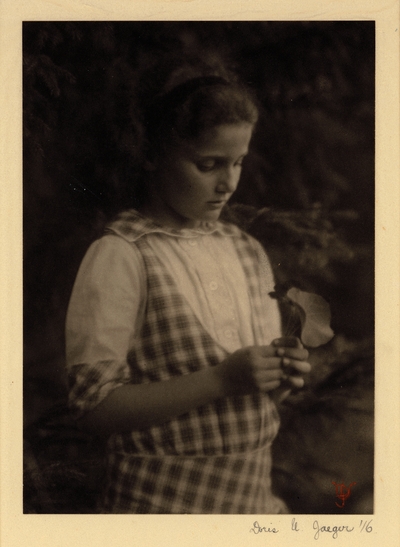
(215, 458)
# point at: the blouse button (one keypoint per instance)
(228, 333)
(213, 285)
(192, 242)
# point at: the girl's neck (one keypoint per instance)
(159, 212)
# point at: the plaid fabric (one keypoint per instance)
(237, 484)
(216, 458)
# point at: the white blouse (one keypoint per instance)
(108, 301)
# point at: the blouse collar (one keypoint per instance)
(132, 225)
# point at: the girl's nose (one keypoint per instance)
(228, 181)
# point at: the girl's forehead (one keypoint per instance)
(224, 138)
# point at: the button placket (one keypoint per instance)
(231, 308)
(221, 305)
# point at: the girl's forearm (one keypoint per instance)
(140, 406)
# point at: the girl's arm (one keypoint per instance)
(140, 406)
(100, 329)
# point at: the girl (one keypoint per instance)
(173, 344)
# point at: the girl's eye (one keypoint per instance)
(206, 165)
(239, 163)
(209, 165)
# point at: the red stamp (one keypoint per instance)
(342, 492)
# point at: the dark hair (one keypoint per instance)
(187, 97)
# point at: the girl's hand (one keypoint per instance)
(263, 368)
(293, 363)
(294, 369)
(256, 368)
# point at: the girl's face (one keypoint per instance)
(193, 180)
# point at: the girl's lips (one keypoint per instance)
(216, 204)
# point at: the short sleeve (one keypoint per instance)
(103, 318)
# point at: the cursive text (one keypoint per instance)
(334, 530)
(257, 529)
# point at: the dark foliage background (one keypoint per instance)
(307, 192)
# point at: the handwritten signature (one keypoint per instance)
(257, 529)
(334, 530)
(365, 526)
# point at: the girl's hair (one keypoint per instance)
(182, 98)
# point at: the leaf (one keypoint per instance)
(315, 319)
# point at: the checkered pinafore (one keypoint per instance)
(213, 459)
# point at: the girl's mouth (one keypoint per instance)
(216, 204)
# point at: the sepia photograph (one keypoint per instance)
(199, 267)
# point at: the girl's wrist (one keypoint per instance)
(221, 381)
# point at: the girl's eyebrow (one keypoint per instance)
(219, 156)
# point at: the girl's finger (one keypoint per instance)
(270, 364)
(296, 381)
(299, 354)
(269, 386)
(303, 367)
(264, 376)
(288, 342)
(268, 351)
